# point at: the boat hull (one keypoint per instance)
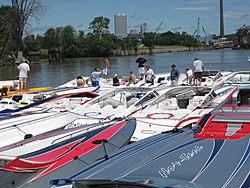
(69, 158)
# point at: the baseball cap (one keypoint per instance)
(147, 65)
(195, 58)
(23, 60)
(172, 66)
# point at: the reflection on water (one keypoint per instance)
(54, 74)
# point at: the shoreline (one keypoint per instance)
(119, 52)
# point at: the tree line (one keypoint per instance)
(98, 42)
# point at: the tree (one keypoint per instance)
(99, 26)
(68, 37)
(30, 43)
(149, 40)
(50, 38)
(23, 10)
(5, 29)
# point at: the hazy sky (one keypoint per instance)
(176, 15)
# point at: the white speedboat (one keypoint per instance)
(239, 77)
(177, 107)
(18, 128)
(50, 100)
(210, 78)
(124, 100)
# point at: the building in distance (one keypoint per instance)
(121, 25)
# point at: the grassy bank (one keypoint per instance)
(163, 47)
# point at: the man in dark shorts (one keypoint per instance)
(198, 70)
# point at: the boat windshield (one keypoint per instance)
(147, 98)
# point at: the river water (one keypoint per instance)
(54, 74)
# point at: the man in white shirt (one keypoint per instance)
(23, 70)
(149, 75)
(198, 70)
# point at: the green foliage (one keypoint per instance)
(183, 39)
(30, 43)
(99, 26)
(149, 40)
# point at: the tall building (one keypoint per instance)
(121, 25)
(144, 29)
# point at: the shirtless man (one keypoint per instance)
(131, 79)
(106, 69)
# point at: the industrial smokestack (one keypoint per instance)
(221, 20)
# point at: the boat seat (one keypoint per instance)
(132, 101)
(112, 102)
(185, 95)
(169, 104)
(108, 107)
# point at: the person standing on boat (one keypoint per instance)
(23, 74)
(198, 70)
(189, 76)
(106, 70)
(149, 75)
(141, 62)
(95, 77)
(174, 75)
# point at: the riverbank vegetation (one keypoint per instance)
(75, 43)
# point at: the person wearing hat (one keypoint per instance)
(174, 75)
(198, 69)
(23, 74)
(149, 75)
(116, 81)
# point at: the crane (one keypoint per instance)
(204, 31)
(197, 31)
(157, 29)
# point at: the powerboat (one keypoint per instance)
(210, 78)
(177, 107)
(33, 162)
(60, 101)
(19, 127)
(213, 153)
(107, 106)
(235, 78)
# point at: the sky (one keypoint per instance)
(175, 15)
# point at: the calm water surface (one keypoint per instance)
(54, 74)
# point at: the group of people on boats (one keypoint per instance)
(193, 76)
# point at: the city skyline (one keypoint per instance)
(175, 15)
